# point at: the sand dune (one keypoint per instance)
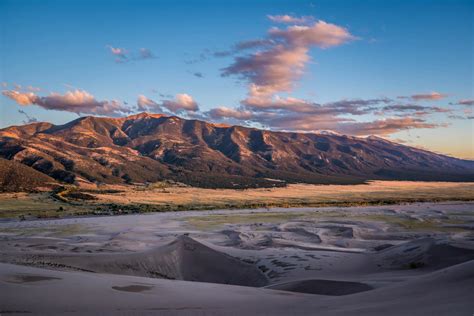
(425, 252)
(182, 259)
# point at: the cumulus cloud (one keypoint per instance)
(320, 34)
(147, 104)
(182, 103)
(76, 101)
(289, 19)
(283, 56)
(432, 96)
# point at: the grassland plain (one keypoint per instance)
(161, 197)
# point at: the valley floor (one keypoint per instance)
(164, 196)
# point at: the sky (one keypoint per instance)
(402, 70)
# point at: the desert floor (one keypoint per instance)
(400, 259)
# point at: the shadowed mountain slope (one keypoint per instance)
(16, 177)
(152, 147)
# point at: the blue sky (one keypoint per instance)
(392, 49)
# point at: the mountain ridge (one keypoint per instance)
(149, 147)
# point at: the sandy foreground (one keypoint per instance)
(412, 259)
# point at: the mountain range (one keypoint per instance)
(154, 147)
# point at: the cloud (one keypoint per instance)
(29, 119)
(468, 115)
(270, 71)
(460, 117)
(33, 89)
(468, 102)
(320, 34)
(203, 56)
(181, 103)
(289, 19)
(385, 126)
(146, 104)
(20, 97)
(225, 112)
(284, 56)
(353, 107)
(432, 96)
(122, 55)
(198, 74)
(145, 53)
(76, 101)
(417, 109)
(294, 114)
(309, 123)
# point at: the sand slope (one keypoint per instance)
(47, 292)
(182, 259)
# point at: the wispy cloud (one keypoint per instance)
(467, 102)
(29, 119)
(302, 115)
(120, 54)
(432, 96)
(289, 19)
(123, 55)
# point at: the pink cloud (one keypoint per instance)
(181, 102)
(309, 123)
(77, 101)
(384, 126)
(147, 104)
(468, 102)
(225, 112)
(320, 34)
(120, 53)
(284, 57)
(432, 96)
